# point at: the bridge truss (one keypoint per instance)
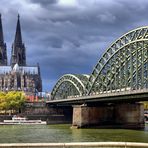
(69, 86)
(123, 67)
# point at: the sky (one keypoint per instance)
(69, 36)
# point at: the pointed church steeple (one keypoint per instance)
(18, 35)
(18, 53)
(1, 32)
(3, 50)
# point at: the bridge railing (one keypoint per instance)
(104, 94)
(76, 145)
(120, 92)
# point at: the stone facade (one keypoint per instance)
(18, 75)
(124, 115)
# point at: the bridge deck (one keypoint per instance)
(134, 96)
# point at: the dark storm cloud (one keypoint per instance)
(69, 36)
(45, 2)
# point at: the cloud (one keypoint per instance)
(68, 3)
(69, 36)
(44, 2)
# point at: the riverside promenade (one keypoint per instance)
(76, 145)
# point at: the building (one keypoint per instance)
(17, 75)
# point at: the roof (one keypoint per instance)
(5, 69)
(21, 69)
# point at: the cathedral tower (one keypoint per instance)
(18, 53)
(3, 52)
(17, 75)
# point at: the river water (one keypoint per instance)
(63, 133)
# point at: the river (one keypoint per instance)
(63, 133)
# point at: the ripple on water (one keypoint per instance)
(63, 133)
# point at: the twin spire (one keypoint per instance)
(1, 32)
(18, 36)
(18, 53)
(3, 52)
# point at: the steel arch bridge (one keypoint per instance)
(123, 67)
(70, 85)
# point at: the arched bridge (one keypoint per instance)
(122, 68)
(70, 85)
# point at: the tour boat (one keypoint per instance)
(22, 120)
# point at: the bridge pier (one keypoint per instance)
(88, 116)
(130, 115)
(118, 115)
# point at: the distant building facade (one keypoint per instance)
(18, 75)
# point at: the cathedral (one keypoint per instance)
(17, 75)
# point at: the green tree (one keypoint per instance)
(3, 103)
(146, 105)
(13, 100)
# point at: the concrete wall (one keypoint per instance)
(75, 145)
(130, 114)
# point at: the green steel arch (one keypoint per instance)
(124, 65)
(69, 85)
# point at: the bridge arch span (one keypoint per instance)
(124, 65)
(69, 85)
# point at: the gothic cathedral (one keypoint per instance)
(18, 75)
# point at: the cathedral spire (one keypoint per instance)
(18, 53)
(3, 50)
(1, 32)
(18, 35)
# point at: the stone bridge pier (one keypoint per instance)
(124, 115)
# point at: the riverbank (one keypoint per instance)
(76, 144)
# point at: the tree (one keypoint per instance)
(13, 100)
(146, 105)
